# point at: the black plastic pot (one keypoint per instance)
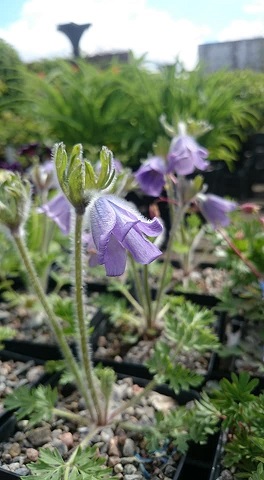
(6, 475)
(7, 419)
(46, 351)
(8, 426)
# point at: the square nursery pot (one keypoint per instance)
(8, 427)
(199, 462)
(49, 351)
(103, 326)
(222, 367)
(7, 419)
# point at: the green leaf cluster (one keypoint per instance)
(77, 176)
(187, 327)
(35, 404)
(84, 465)
(81, 101)
(5, 334)
(241, 413)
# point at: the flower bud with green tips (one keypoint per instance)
(77, 176)
(14, 201)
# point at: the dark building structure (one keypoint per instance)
(74, 33)
(237, 55)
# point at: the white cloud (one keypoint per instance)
(242, 29)
(116, 25)
(255, 7)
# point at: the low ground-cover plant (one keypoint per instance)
(236, 408)
(116, 228)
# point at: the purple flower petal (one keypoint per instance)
(59, 210)
(185, 155)
(150, 176)
(114, 258)
(116, 227)
(215, 209)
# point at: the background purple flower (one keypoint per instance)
(117, 227)
(215, 209)
(59, 210)
(185, 155)
(150, 176)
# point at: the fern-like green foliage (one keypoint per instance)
(35, 404)
(83, 465)
(181, 426)
(119, 313)
(243, 290)
(241, 413)
(188, 327)
(164, 364)
(5, 334)
(258, 474)
(172, 425)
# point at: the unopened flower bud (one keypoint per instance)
(43, 176)
(78, 178)
(14, 200)
(250, 207)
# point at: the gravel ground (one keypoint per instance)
(124, 451)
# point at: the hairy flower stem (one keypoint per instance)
(138, 284)
(175, 221)
(132, 300)
(83, 336)
(247, 262)
(70, 416)
(149, 319)
(55, 326)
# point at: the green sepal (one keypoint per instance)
(105, 160)
(61, 160)
(90, 181)
(76, 185)
(198, 183)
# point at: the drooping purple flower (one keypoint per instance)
(59, 210)
(90, 249)
(117, 227)
(185, 155)
(150, 176)
(215, 209)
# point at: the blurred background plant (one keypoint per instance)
(50, 100)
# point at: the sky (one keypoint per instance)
(161, 29)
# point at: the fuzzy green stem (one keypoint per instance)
(74, 417)
(55, 326)
(242, 257)
(140, 293)
(49, 229)
(175, 221)
(132, 300)
(148, 298)
(83, 336)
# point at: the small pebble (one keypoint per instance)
(21, 471)
(67, 439)
(129, 447)
(32, 454)
(15, 450)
